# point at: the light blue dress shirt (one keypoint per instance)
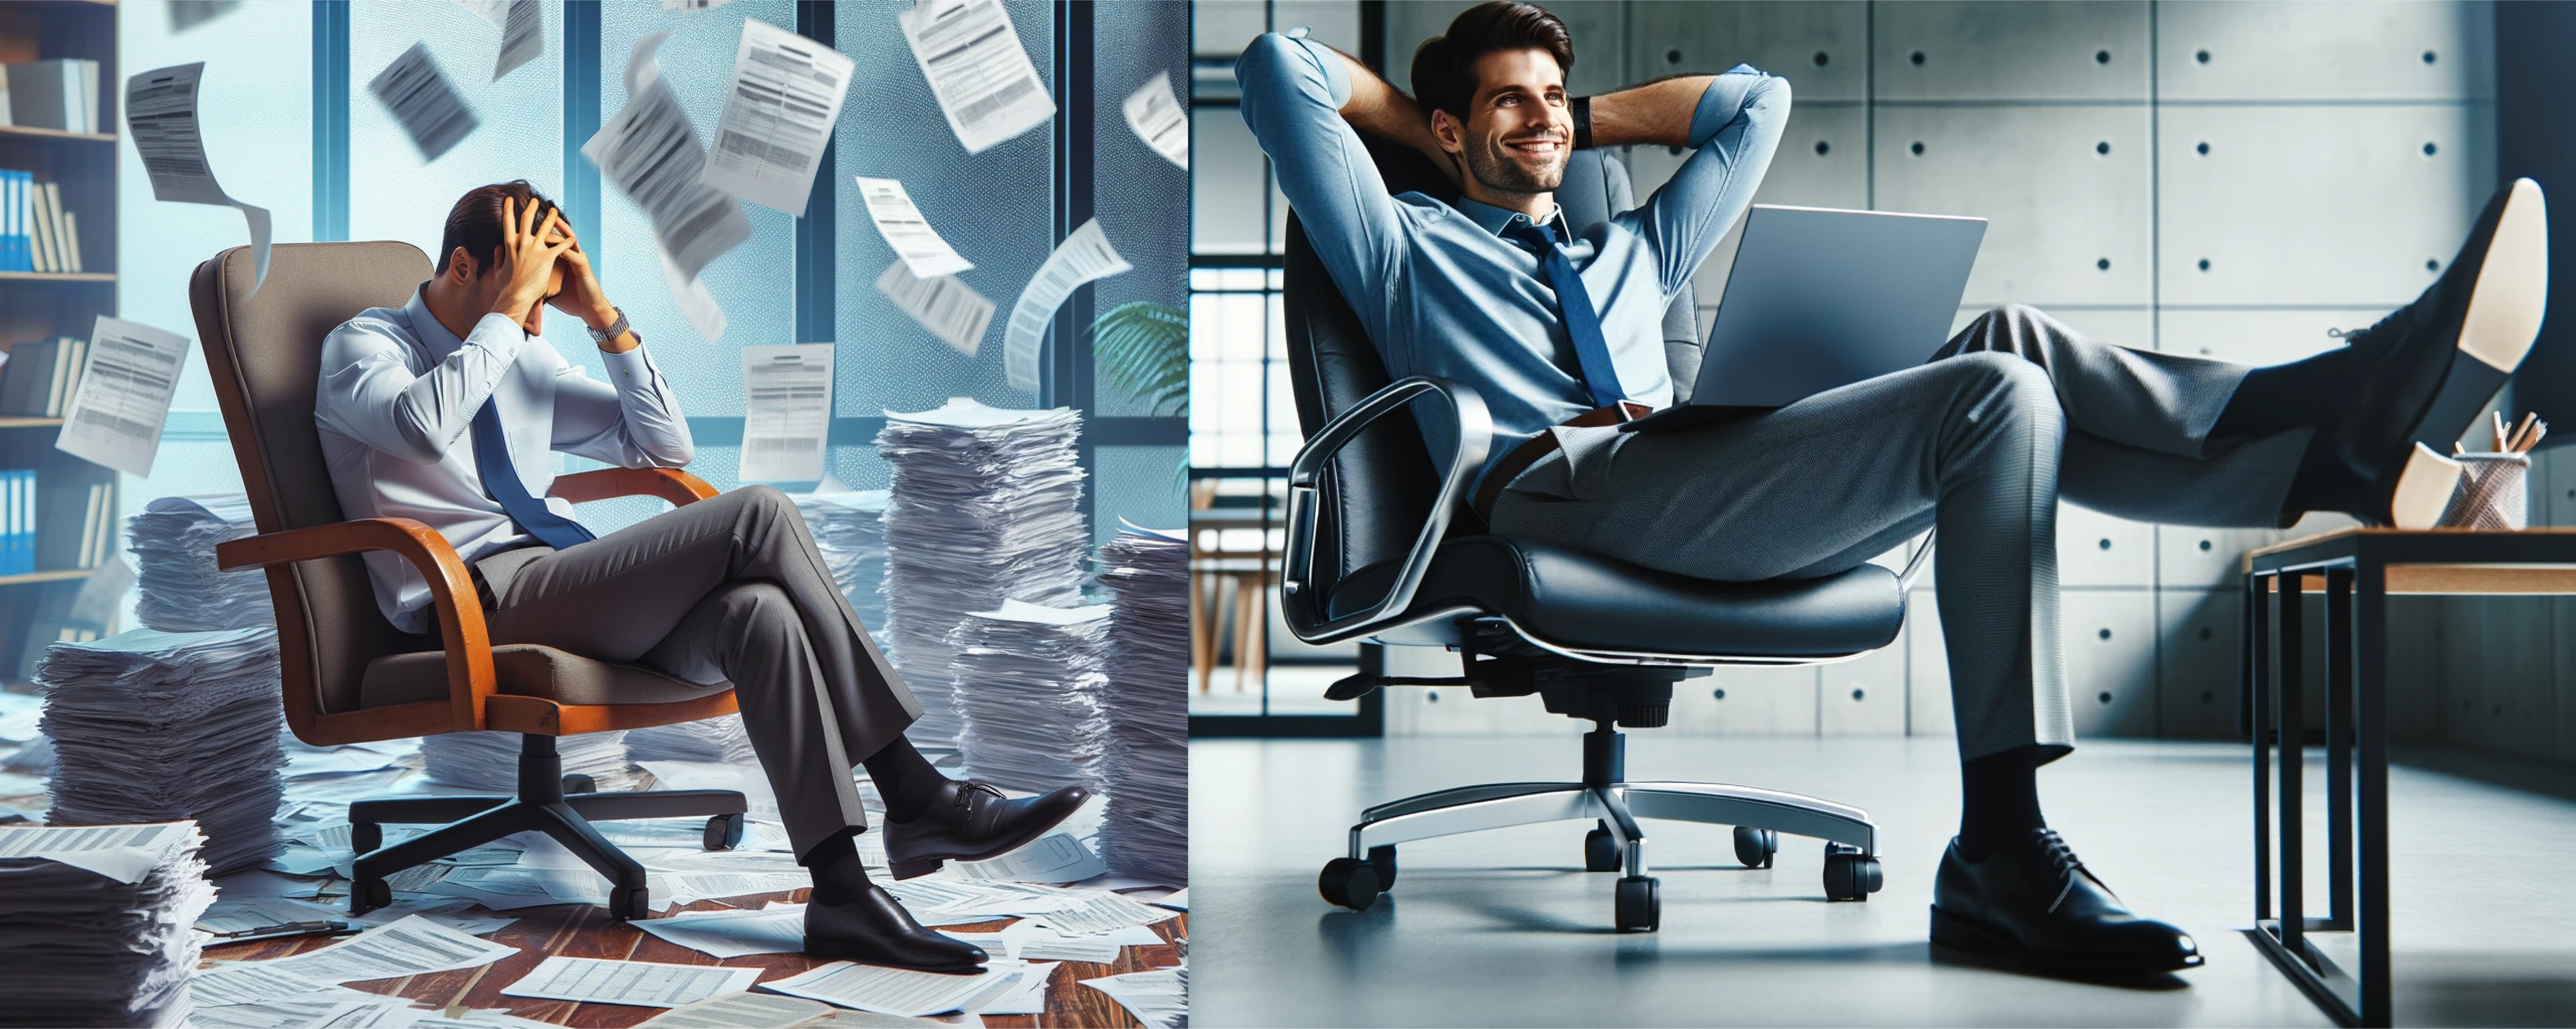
(1442, 293)
(396, 403)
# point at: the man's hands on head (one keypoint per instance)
(1377, 108)
(527, 262)
(582, 298)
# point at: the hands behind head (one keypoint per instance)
(529, 251)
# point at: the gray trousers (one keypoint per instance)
(728, 588)
(2012, 413)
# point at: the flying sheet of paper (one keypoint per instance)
(1053, 858)
(115, 416)
(944, 305)
(890, 991)
(778, 116)
(1159, 121)
(1082, 257)
(645, 983)
(907, 231)
(740, 1011)
(787, 409)
(971, 54)
(161, 115)
(650, 150)
(120, 852)
(523, 36)
(432, 113)
(696, 304)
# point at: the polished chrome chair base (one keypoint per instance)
(1616, 842)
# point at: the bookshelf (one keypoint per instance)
(37, 306)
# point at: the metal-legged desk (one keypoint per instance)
(2357, 570)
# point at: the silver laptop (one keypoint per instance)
(1820, 298)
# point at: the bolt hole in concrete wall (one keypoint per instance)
(2223, 180)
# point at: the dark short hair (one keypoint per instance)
(1444, 69)
(475, 222)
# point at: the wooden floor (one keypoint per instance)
(586, 931)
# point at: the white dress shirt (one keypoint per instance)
(396, 405)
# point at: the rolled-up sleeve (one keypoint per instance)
(1733, 134)
(1293, 92)
(368, 391)
(633, 420)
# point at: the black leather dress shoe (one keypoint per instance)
(2423, 374)
(875, 930)
(972, 821)
(2032, 900)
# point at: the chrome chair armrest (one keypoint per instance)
(1301, 602)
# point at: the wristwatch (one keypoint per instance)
(614, 329)
(1582, 109)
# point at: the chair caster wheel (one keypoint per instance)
(1640, 908)
(630, 903)
(1383, 860)
(724, 832)
(1850, 874)
(366, 895)
(1755, 847)
(365, 837)
(1348, 882)
(579, 784)
(1600, 850)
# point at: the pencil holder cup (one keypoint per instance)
(2492, 493)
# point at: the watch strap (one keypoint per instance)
(614, 329)
(1582, 109)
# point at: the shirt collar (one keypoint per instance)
(1496, 219)
(426, 326)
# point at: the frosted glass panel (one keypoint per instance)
(996, 208)
(256, 103)
(754, 282)
(396, 194)
(1138, 196)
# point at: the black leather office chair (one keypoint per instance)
(1382, 546)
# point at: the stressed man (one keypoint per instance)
(1558, 326)
(444, 409)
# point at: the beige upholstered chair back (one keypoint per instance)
(264, 353)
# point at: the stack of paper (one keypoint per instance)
(1146, 831)
(181, 590)
(720, 739)
(153, 726)
(489, 761)
(849, 528)
(94, 923)
(1033, 693)
(986, 507)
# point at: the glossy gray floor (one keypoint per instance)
(1502, 928)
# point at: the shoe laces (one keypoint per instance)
(2061, 855)
(968, 788)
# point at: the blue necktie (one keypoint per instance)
(1591, 351)
(501, 480)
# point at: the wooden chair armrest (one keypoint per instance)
(470, 679)
(670, 484)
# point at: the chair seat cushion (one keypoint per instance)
(1583, 601)
(528, 670)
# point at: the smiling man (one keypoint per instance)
(445, 410)
(1562, 336)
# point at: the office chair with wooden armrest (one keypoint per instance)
(1382, 547)
(350, 676)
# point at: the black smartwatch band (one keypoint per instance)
(1582, 108)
